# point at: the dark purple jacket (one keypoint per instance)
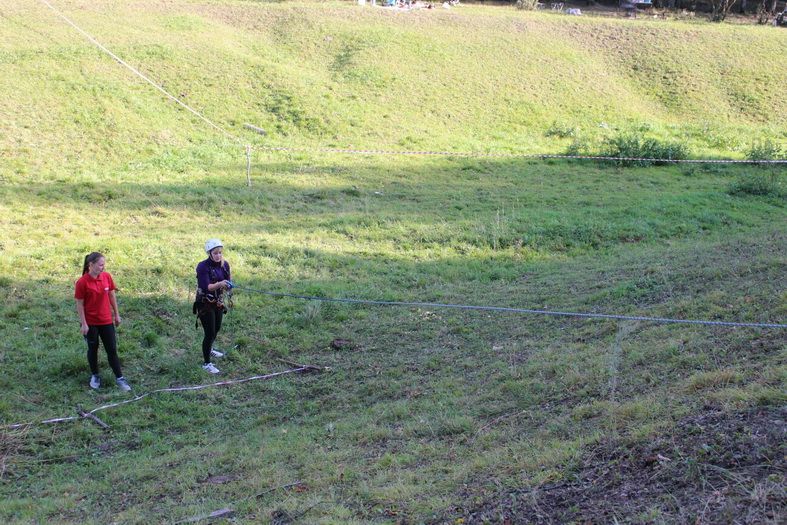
(209, 272)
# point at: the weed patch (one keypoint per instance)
(634, 146)
(760, 184)
(715, 466)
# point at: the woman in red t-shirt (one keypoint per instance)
(97, 307)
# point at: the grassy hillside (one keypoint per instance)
(427, 415)
(472, 78)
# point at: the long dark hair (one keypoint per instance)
(90, 259)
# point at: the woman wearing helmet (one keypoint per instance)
(213, 280)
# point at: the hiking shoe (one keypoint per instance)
(123, 384)
(208, 367)
(215, 353)
(95, 382)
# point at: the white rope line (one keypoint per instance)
(141, 75)
(471, 154)
(519, 310)
(172, 389)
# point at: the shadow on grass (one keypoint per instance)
(464, 204)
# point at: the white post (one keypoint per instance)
(248, 165)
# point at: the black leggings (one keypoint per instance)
(107, 334)
(211, 324)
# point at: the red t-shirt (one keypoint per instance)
(95, 294)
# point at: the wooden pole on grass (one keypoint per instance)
(92, 417)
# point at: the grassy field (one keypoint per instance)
(426, 414)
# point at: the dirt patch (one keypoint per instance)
(716, 468)
(220, 479)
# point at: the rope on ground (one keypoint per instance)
(301, 368)
(518, 310)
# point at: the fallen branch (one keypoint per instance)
(302, 368)
(496, 420)
(92, 417)
(221, 513)
(308, 368)
(545, 488)
(255, 129)
(288, 485)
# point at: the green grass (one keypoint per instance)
(427, 407)
(339, 75)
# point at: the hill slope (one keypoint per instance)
(472, 78)
(427, 414)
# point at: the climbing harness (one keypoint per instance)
(220, 299)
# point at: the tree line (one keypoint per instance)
(718, 10)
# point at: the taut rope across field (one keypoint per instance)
(520, 310)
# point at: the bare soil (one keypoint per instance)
(718, 467)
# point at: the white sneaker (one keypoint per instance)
(95, 382)
(208, 367)
(215, 353)
(123, 384)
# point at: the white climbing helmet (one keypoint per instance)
(212, 244)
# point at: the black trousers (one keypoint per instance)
(107, 334)
(211, 323)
